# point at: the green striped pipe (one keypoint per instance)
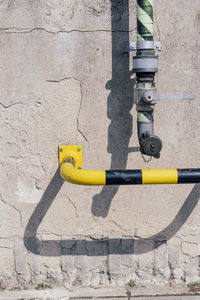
(145, 20)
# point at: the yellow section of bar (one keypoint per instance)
(82, 177)
(159, 176)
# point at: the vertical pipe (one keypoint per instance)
(145, 122)
(150, 144)
(144, 33)
(145, 20)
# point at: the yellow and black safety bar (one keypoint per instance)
(71, 170)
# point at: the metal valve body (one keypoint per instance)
(145, 65)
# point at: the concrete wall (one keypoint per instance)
(64, 80)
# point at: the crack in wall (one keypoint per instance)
(74, 206)
(43, 168)
(107, 265)
(13, 104)
(118, 225)
(49, 234)
(78, 114)
(27, 30)
(59, 80)
(11, 237)
(9, 205)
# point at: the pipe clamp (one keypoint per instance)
(144, 45)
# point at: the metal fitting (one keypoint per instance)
(141, 89)
(147, 60)
(145, 64)
(150, 97)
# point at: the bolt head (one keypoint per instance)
(79, 149)
(79, 168)
(61, 149)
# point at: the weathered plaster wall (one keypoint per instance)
(64, 80)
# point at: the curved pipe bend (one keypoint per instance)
(82, 177)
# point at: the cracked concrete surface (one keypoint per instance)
(65, 80)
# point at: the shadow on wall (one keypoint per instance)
(120, 102)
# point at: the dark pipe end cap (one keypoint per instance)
(151, 145)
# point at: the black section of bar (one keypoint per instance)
(123, 177)
(188, 175)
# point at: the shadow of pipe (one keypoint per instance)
(119, 104)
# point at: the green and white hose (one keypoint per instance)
(145, 20)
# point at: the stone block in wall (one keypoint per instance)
(20, 256)
(192, 269)
(67, 255)
(174, 252)
(127, 258)
(143, 250)
(191, 249)
(160, 264)
(174, 257)
(114, 261)
(34, 263)
(90, 259)
(6, 256)
(80, 259)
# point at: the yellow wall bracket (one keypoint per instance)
(71, 167)
(73, 153)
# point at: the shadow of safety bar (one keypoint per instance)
(121, 245)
